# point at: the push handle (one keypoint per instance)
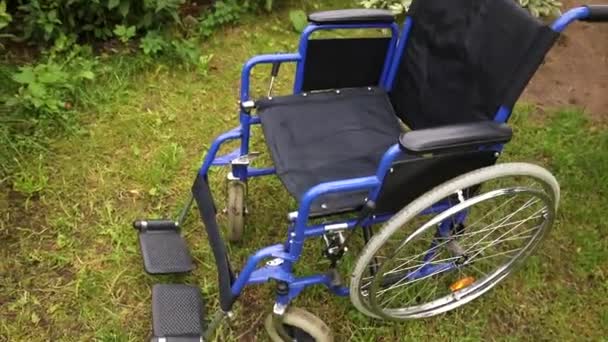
(597, 13)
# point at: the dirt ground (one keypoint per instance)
(576, 70)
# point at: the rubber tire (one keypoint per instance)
(431, 197)
(303, 320)
(236, 211)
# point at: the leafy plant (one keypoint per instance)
(37, 103)
(299, 20)
(40, 85)
(397, 6)
(538, 8)
(46, 20)
(203, 64)
(5, 18)
(223, 12)
(40, 21)
(187, 50)
(542, 8)
(124, 33)
(48, 89)
(152, 43)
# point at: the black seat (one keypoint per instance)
(328, 136)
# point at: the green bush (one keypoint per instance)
(224, 12)
(44, 21)
(542, 8)
(397, 6)
(538, 8)
(40, 99)
(47, 89)
(5, 19)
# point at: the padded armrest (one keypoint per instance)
(597, 13)
(352, 16)
(455, 137)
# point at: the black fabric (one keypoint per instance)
(597, 13)
(464, 59)
(344, 63)
(328, 136)
(165, 252)
(206, 207)
(177, 311)
(350, 16)
(534, 58)
(411, 178)
(452, 137)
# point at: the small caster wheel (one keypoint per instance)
(301, 326)
(236, 210)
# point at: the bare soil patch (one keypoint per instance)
(575, 72)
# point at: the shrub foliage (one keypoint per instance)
(44, 20)
(538, 8)
(41, 98)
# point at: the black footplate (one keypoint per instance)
(163, 248)
(177, 313)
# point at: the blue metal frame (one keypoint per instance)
(290, 252)
(578, 13)
(405, 35)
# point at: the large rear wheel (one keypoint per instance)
(455, 243)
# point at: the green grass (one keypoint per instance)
(70, 265)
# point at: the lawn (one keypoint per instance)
(70, 268)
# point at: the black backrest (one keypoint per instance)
(466, 58)
(344, 63)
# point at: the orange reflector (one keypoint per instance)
(462, 283)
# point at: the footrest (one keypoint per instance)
(165, 252)
(177, 313)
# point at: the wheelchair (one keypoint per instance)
(400, 132)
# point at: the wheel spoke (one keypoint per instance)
(399, 284)
(455, 258)
(491, 229)
(495, 227)
(492, 256)
(487, 229)
(501, 236)
(433, 263)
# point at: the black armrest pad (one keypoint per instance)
(455, 137)
(597, 13)
(352, 16)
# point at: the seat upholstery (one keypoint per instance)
(328, 136)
